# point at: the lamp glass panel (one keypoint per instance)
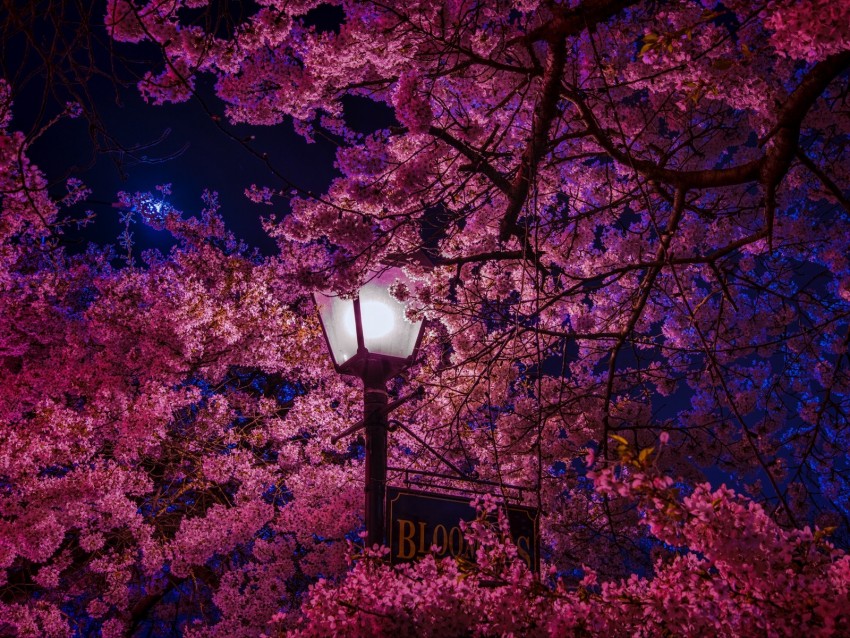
(385, 328)
(337, 316)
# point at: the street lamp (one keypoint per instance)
(370, 337)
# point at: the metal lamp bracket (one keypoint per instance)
(418, 393)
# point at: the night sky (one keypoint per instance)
(188, 145)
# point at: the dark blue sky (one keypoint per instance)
(178, 144)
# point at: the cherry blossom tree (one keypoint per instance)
(738, 564)
(639, 313)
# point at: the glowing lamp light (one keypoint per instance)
(370, 334)
(378, 320)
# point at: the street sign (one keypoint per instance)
(417, 521)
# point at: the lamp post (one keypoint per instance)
(370, 337)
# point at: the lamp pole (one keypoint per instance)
(375, 416)
(370, 337)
